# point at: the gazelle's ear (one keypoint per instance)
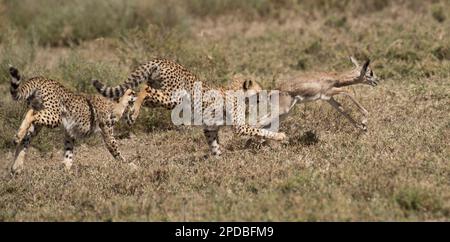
(247, 85)
(364, 68)
(354, 61)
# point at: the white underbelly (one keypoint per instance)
(302, 99)
(75, 130)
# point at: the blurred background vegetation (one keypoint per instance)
(64, 23)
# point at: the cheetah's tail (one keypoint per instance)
(138, 76)
(15, 83)
(111, 92)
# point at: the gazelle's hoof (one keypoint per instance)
(364, 121)
(363, 125)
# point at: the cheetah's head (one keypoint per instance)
(251, 88)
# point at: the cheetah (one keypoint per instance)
(52, 105)
(323, 86)
(166, 79)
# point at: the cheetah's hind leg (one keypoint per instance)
(24, 127)
(22, 147)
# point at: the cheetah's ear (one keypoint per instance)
(247, 85)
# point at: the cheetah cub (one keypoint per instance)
(52, 105)
(323, 86)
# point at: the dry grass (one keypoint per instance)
(398, 170)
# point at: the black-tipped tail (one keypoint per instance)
(98, 85)
(110, 92)
(14, 73)
(15, 82)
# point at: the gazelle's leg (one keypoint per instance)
(365, 113)
(336, 91)
(68, 151)
(341, 110)
(24, 126)
(212, 137)
(360, 107)
(22, 148)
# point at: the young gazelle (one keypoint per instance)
(323, 86)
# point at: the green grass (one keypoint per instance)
(398, 170)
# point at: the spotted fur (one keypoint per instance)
(52, 105)
(165, 78)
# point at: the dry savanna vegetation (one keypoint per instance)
(398, 170)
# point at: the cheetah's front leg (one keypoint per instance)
(68, 151)
(246, 130)
(110, 142)
(212, 137)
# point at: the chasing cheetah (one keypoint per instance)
(51, 104)
(166, 83)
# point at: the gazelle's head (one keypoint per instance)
(366, 74)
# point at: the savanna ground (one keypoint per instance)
(398, 170)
